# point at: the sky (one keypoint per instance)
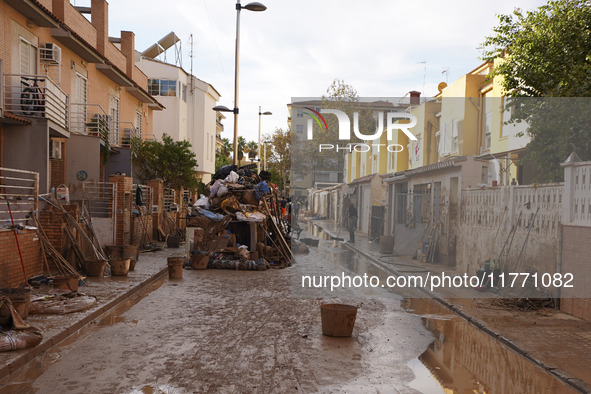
(383, 48)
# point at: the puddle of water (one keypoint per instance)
(463, 358)
(23, 380)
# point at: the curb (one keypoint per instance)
(558, 373)
(43, 347)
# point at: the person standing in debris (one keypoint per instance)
(352, 222)
(262, 188)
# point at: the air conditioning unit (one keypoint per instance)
(51, 53)
(55, 149)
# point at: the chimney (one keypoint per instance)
(128, 49)
(99, 14)
(58, 8)
(415, 97)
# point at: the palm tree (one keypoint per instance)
(226, 148)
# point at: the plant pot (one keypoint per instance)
(338, 320)
(175, 267)
(21, 301)
(173, 241)
(119, 267)
(64, 282)
(199, 260)
(96, 268)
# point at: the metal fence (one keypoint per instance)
(19, 190)
(100, 198)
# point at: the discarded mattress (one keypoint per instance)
(61, 305)
(251, 265)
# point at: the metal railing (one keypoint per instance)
(89, 119)
(100, 198)
(20, 189)
(36, 96)
(126, 131)
(169, 200)
(147, 196)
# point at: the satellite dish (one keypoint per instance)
(441, 86)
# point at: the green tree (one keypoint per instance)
(279, 154)
(547, 53)
(171, 161)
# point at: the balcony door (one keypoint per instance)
(80, 122)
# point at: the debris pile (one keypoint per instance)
(240, 224)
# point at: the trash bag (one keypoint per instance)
(210, 215)
(222, 191)
(202, 202)
(232, 177)
(223, 172)
(213, 191)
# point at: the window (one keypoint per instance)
(299, 128)
(454, 135)
(487, 127)
(28, 58)
(184, 92)
(162, 87)
(299, 113)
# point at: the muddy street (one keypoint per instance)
(232, 331)
(241, 331)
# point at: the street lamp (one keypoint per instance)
(259, 152)
(255, 6)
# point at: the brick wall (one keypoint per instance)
(575, 259)
(123, 214)
(11, 272)
(158, 189)
(53, 223)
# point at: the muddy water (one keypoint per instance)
(461, 358)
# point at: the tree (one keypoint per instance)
(171, 161)
(547, 53)
(279, 156)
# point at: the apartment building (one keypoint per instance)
(188, 113)
(71, 99)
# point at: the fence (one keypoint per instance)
(100, 199)
(147, 195)
(169, 200)
(20, 190)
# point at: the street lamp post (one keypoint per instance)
(255, 6)
(259, 152)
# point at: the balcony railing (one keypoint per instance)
(90, 119)
(36, 96)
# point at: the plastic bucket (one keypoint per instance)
(199, 261)
(173, 241)
(95, 268)
(21, 301)
(119, 267)
(114, 251)
(175, 268)
(338, 320)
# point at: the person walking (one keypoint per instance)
(352, 223)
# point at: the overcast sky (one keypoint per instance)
(297, 48)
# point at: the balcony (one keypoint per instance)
(36, 96)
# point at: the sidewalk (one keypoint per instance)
(551, 339)
(109, 291)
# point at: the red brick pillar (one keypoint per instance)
(124, 200)
(157, 209)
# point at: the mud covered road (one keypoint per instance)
(235, 331)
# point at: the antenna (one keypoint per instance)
(191, 57)
(446, 72)
(424, 74)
